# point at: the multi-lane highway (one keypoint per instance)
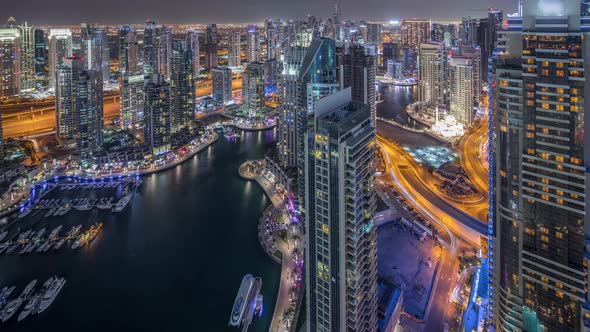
(458, 222)
(470, 159)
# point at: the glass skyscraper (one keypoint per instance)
(539, 217)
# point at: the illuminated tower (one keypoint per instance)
(357, 71)
(157, 128)
(289, 95)
(79, 107)
(211, 40)
(60, 47)
(341, 253)
(253, 89)
(253, 52)
(10, 62)
(235, 49)
(540, 167)
(222, 85)
(27, 44)
(182, 86)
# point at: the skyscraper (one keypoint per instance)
(222, 85)
(157, 115)
(374, 33)
(93, 43)
(415, 32)
(10, 62)
(79, 107)
(341, 254)
(539, 212)
(40, 54)
(235, 49)
(317, 78)
(253, 88)
(253, 51)
(60, 47)
(164, 52)
(462, 89)
(357, 71)
(432, 74)
(182, 86)
(128, 52)
(192, 38)
(288, 85)
(27, 56)
(131, 101)
(151, 42)
(211, 40)
(272, 39)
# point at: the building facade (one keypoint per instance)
(341, 255)
(253, 48)
(432, 75)
(539, 215)
(462, 87)
(415, 32)
(182, 86)
(10, 62)
(253, 89)
(357, 70)
(222, 85)
(157, 126)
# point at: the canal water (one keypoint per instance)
(172, 261)
(395, 100)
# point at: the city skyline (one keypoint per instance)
(111, 11)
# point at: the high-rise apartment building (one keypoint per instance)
(432, 75)
(462, 87)
(539, 212)
(318, 78)
(10, 62)
(235, 49)
(253, 47)
(60, 47)
(129, 63)
(182, 86)
(341, 255)
(27, 56)
(253, 89)
(79, 107)
(131, 101)
(211, 41)
(40, 54)
(157, 127)
(289, 94)
(415, 32)
(357, 71)
(222, 85)
(272, 39)
(151, 42)
(192, 38)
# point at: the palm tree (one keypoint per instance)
(287, 317)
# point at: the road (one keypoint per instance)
(440, 309)
(469, 151)
(457, 221)
(41, 121)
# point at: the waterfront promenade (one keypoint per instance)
(11, 201)
(284, 307)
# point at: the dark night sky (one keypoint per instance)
(236, 11)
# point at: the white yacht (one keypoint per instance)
(50, 295)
